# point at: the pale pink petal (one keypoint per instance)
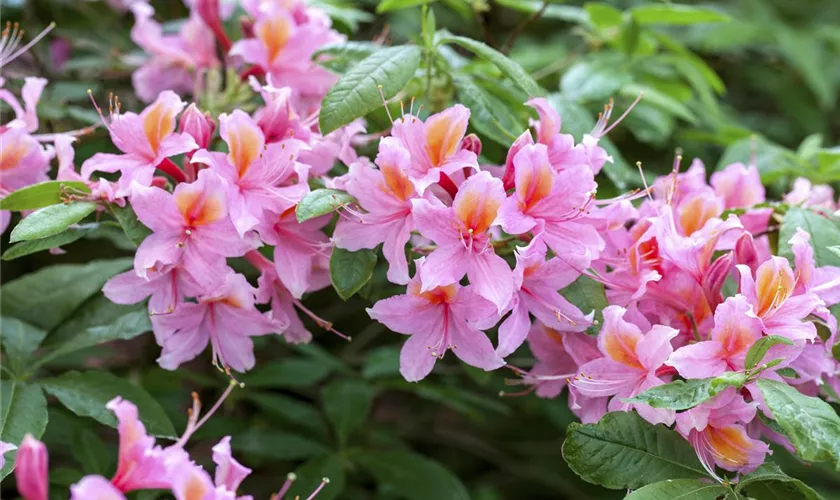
(444, 266)
(472, 346)
(700, 360)
(229, 472)
(489, 274)
(514, 329)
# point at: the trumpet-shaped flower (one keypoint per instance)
(141, 464)
(167, 288)
(31, 472)
(23, 161)
(93, 486)
(385, 195)
(463, 245)
(438, 319)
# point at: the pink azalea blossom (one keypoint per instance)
(147, 140)
(31, 469)
(141, 464)
(805, 194)
(716, 431)
(435, 145)
(225, 318)
(271, 290)
(190, 228)
(23, 161)
(438, 319)
(554, 204)
(97, 487)
(463, 243)
(385, 195)
(167, 288)
(823, 281)
(279, 119)
(538, 282)
(229, 472)
(629, 365)
(191, 482)
(26, 116)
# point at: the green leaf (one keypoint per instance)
(48, 296)
(382, 362)
(772, 161)
(659, 99)
(40, 195)
(588, 295)
(624, 451)
(349, 271)
(594, 78)
(87, 393)
(92, 453)
(391, 5)
(133, 228)
(679, 489)
(51, 220)
(412, 476)
(759, 349)
(343, 56)
(310, 475)
(19, 340)
(682, 395)
(291, 372)
(490, 117)
(509, 68)
(292, 411)
(321, 202)
(357, 92)
(23, 410)
(823, 228)
(57, 240)
(770, 477)
(275, 445)
(347, 404)
(602, 15)
(676, 14)
(810, 423)
(344, 14)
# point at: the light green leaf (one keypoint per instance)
(772, 161)
(676, 14)
(769, 476)
(23, 410)
(347, 404)
(19, 340)
(823, 228)
(509, 68)
(357, 92)
(660, 99)
(48, 296)
(341, 13)
(57, 240)
(682, 395)
(133, 228)
(41, 195)
(810, 423)
(87, 393)
(290, 372)
(391, 5)
(321, 202)
(412, 476)
(490, 118)
(624, 451)
(310, 475)
(603, 15)
(349, 271)
(679, 489)
(343, 56)
(594, 79)
(51, 220)
(759, 349)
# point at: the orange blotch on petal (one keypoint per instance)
(195, 488)
(199, 209)
(443, 134)
(620, 346)
(773, 285)
(476, 211)
(695, 212)
(397, 183)
(438, 295)
(534, 185)
(245, 146)
(274, 32)
(729, 445)
(12, 154)
(158, 122)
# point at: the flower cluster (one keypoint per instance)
(144, 465)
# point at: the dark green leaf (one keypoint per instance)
(23, 410)
(290, 410)
(133, 228)
(64, 238)
(679, 489)
(92, 453)
(357, 92)
(321, 202)
(291, 372)
(624, 451)
(759, 349)
(810, 423)
(349, 271)
(412, 476)
(824, 230)
(682, 395)
(40, 195)
(347, 404)
(87, 393)
(19, 340)
(274, 445)
(676, 14)
(588, 295)
(382, 361)
(769, 477)
(310, 475)
(509, 68)
(490, 118)
(48, 296)
(51, 220)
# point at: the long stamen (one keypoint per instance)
(324, 481)
(7, 60)
(624, 115)
(385, 103)
(290, 478)
(644, 181)
(192, 424)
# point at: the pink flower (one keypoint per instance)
(167, 288)
(716, 431)
(435, 145)
(739, 186)
(554, 204)
(559, 356)
(31, 469)
(97, 487)
(141, 464)
(191, 482)
(190, 228)
(463, 245)
(805, 194)
(226, 318)
(23, 161)
(628, 366)
(270, 289)
(437, 319)
(5, 448)
(732, 336)
(823, 281)
(146, 139)
(198, 125)
(229, 472)
(385, 194)
(538, 282)
(278, 119)
(26, 117)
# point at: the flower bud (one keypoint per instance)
(200, 126)
(472, 143)
(209, 12)
(745, 252)
(510, 175)
(31, 469)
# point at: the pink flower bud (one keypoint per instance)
(209, 12)
(472, 143)
(31, 469)
(745, 252)
(510, 174)
(199, 126)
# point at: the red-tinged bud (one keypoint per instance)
(745, 252)
(246, 24)
(472, 143)
(510, 175)
(714, 278)
(31, 469)
(199, 125)
(209, 12)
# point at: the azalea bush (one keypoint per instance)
(402, 249)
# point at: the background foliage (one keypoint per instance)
(720, 79)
